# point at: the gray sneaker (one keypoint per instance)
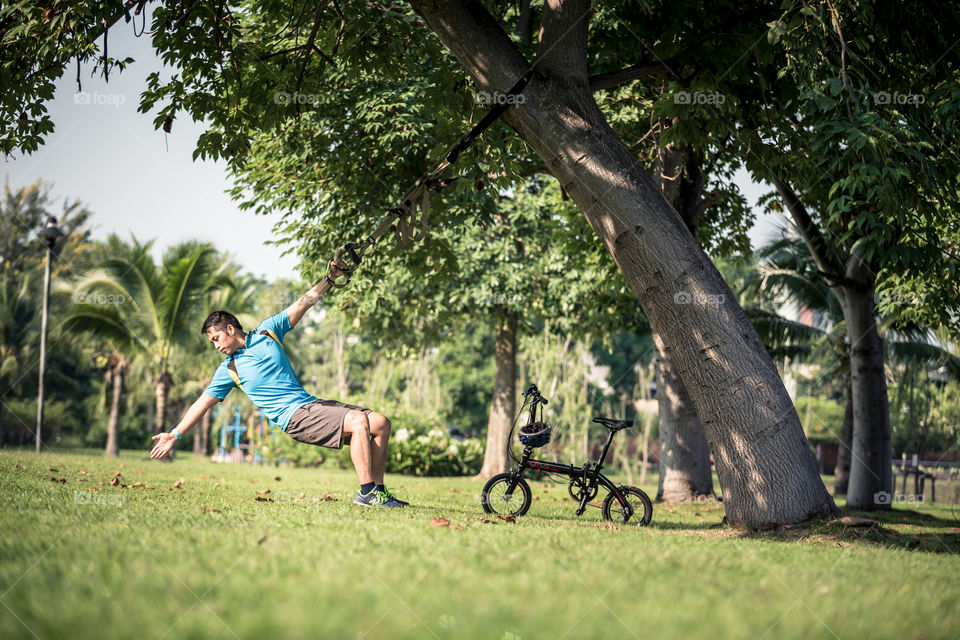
(402, 503)
(375, 499)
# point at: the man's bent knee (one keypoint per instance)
(379, 424)
(356, 422)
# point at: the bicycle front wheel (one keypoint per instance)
(504, 495)
(642, 508)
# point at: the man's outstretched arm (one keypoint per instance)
(165, 441)
(311, 297)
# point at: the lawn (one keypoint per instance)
(208, 559)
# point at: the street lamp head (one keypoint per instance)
(51, 232)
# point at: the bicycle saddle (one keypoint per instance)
(614, 425)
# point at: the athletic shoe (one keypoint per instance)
(375, 499)
(403, 503)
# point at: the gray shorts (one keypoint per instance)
(321, 423)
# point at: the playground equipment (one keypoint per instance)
(248, 451)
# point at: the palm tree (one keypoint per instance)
(18, 330)
(114, 365)
(788, 273)
(143, 308)
(235, 292)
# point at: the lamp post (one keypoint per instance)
(49, 233)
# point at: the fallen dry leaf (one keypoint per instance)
(211, 510)
(216, 484)
(262, 499)
(115, 482)
(264, 492)
(263, 539)
(138, 484)
(328, 497)
(179, 483)
(59, 479)
(51, 468)
(80, 479)
(277, 478)
(439, 522)
(850, 521)
(607, 525)
(455, 526)
(117, 472)
(509, 518)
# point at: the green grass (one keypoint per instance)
(209, 560)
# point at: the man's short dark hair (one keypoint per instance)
(220, 320)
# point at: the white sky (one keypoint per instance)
(141, 181)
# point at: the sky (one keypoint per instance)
(144, 182)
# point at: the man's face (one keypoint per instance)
(227, 340)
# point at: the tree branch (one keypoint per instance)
(562, 51)
(488, 55)
(811, 235)
(313, 35)
(610, 79)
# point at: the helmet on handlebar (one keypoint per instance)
(535, 434)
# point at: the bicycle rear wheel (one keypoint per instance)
(642, 508)
(500, 499)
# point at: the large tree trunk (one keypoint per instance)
(504, 402)
(767, 471)
(118, 370)
(684, 455)
(842, 472)
(685, 471)
(870, 484)
(871, 474)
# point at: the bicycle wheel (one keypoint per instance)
(495, 500)
(642, 508)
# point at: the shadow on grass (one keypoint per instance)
(896, 529)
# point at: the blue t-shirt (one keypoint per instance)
(265, 373)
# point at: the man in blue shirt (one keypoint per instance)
(258, 365)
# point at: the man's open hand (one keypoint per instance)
(165, 442)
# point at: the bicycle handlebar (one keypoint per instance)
(535, 394)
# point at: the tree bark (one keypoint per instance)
(684, 455)
(767, 471)
(504, 403)
(685, 471)
(871, 474)
(160, 389)
(842, 472)
(118, 370)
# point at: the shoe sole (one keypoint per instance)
(367, 504)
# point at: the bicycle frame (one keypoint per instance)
(589, 474)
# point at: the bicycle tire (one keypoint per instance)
(494, 493)
(642, 507)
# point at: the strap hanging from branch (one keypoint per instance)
(403, 219)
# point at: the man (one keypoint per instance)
(256, 363)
